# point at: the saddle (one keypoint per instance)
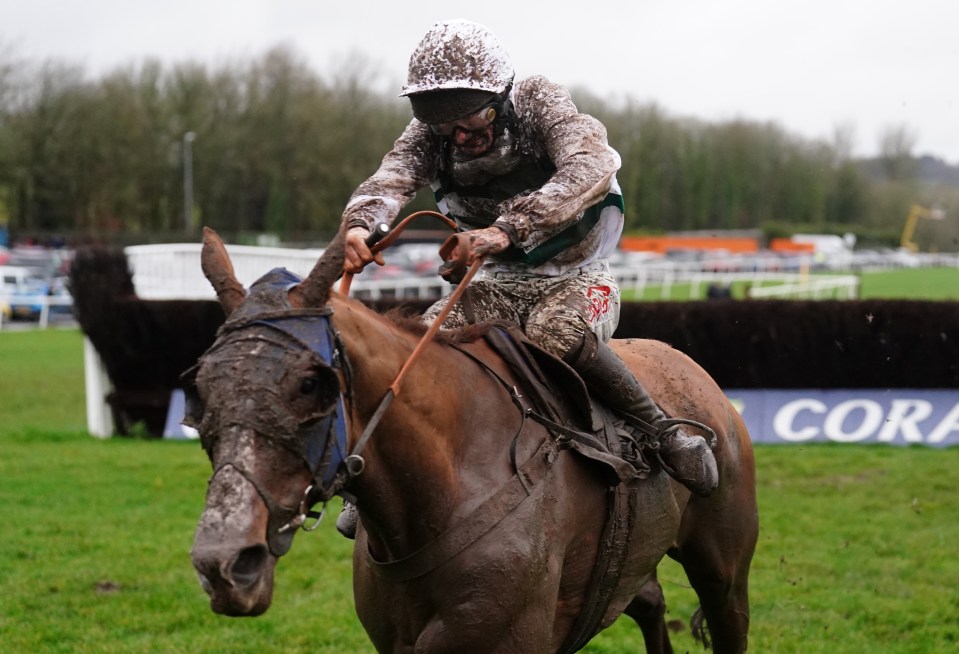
(562, 404)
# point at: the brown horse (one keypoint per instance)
(478, 531)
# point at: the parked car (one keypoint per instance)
(22, 291)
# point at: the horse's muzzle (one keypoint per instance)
(230, 552)
(238, 585)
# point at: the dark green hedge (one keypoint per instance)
(809, 344)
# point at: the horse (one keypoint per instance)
(478, 531)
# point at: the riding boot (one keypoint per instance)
(346, 521)
(688, 459)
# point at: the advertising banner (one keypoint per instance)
(896, 416)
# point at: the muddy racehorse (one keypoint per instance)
(479, 531)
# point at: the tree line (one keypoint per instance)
(271, 146)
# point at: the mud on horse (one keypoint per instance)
(479, 532)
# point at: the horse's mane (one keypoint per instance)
(413, 323)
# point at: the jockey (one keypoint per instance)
(532, 184)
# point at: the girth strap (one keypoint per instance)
(610, 560)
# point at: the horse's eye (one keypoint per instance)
(309, 385)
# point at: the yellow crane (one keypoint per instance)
(915, 213)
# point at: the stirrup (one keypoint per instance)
(666, 426)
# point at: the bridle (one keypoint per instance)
(321, 445)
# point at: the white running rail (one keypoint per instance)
(166, 272)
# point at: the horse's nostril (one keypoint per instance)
(248, 565)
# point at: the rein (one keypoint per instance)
(331, 468)
(486, 516)
(378, 241)
(382, 238)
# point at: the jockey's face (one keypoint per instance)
(473, 143)
(473, 134)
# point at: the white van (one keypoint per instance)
(14, 278)
(20, 291)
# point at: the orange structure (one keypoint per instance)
(663, 244)
(789, 245)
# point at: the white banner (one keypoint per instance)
(896, 416)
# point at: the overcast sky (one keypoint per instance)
(811, 66)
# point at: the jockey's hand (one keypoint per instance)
(480, 242)
(358, 253)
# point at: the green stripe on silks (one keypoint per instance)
(550, 248)
(571, 235)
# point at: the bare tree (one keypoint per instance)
(895, 152)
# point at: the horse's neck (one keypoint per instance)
(376, 348)
(409, 479)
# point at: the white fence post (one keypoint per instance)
(99, 415)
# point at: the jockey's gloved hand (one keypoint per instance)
(480, 242)
(462, 250)
(490, 240)
(358, 253)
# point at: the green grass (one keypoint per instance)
(96, 533)
(912, 283)
(856, 551)
(904, 283)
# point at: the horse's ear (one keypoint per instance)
(314, 291)
(218, 269)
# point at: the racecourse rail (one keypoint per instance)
(172, 271)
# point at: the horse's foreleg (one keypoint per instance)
(648, 610)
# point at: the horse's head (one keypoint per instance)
(266, 399)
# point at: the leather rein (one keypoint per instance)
(483, 518)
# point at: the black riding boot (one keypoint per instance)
(687, 459)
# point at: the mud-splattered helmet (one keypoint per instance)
(457, 68)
